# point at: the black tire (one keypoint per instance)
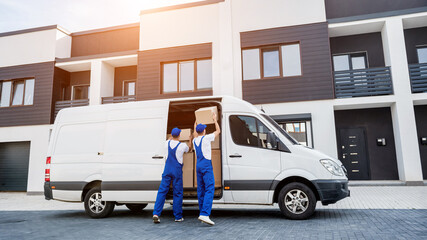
(298, 208)
(136, 207)
(95, 207)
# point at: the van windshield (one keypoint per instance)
(280, 129)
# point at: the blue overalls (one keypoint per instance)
(205, 181)
(172, 172)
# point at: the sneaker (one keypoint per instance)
(179, 220)
(156, 219)
(205, 219)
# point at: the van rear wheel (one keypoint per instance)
(297, 201)
(95, 207)
(136, 207)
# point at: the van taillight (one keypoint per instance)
(47, 170)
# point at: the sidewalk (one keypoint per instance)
(375, 197)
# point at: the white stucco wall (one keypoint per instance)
(39, 138)
(63, 45)
(27, 48)
(322, 121)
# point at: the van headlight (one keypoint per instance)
(332, 167)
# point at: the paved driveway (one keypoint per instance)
(371, 213)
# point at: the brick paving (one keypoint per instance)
(370, 213)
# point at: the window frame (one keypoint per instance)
(178, 91)
(79, 85)
(349, 56)
(263, 48)
(257, 131)
(416, 50)
(12, 88)
(123, 86)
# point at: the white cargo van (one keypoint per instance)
(113, 154)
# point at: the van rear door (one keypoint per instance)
(134, 148)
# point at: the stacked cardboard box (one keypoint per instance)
(188, 170)
(216, 165)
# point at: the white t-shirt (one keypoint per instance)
(206, 145)
(182, 148)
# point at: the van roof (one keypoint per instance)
(94, 112)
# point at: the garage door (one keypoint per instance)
(14, 158)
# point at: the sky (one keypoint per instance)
(74, 15)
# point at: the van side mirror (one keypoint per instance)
(272, 140)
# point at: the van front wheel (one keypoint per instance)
(95, 207)
(297, 201)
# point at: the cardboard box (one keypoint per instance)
(184, 136)
(215, 144)
(188, 170)
(216, 165)
(204, 115)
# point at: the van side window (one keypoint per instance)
(248, 131)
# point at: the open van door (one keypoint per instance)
(252, 161)
(134, 152)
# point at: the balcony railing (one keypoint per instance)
(363, 82)
(418, 74)
(71, 103)
(120, 99)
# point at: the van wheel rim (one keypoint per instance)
(296, 201)
(96, 205)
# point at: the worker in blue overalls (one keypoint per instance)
(172, 173)
(205, 175)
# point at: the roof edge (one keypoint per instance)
(36, 29)
(106, 29)
(180, 6)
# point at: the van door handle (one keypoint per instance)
(157, 157)
(236, 155)
(100, 153)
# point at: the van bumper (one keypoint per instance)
(331, 191)
(47, 191)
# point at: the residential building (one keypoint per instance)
(348, 78)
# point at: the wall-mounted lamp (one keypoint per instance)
(381, 142)
(423, 140)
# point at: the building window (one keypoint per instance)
(16, 92)
(187, 76)
(129, 88)
(80, 92)
(353, 61)
(422, 54)
(271, 62)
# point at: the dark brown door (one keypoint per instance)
(353, 153)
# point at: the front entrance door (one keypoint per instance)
(353, 153)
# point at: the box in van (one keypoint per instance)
(115, 154)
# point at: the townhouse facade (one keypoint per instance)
(348, 78)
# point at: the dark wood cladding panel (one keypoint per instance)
(117, 40)
(316, 82)
(349, 8)
(122, 74)
(40, 111)
(148, 85)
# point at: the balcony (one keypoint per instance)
(119, 99)
(71, 103)
(363, 82)
(418, 75)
